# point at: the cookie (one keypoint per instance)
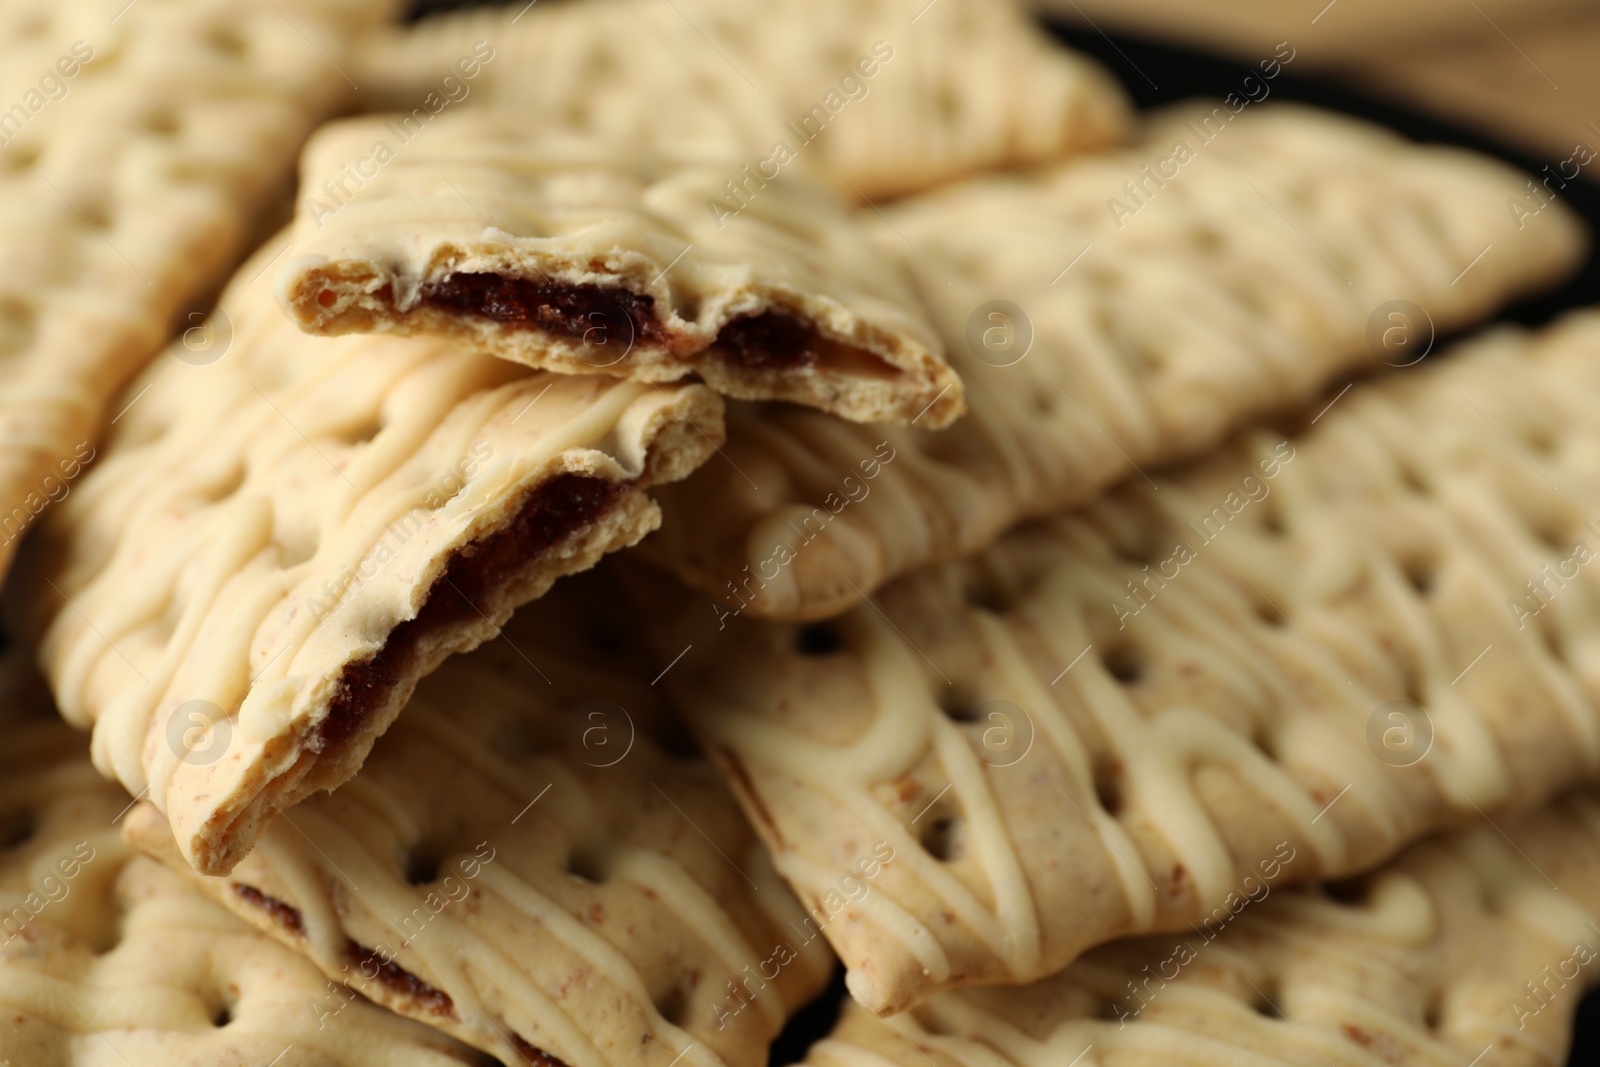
(1472, 949)
(276, 545)
(1343, 638)
(1096, 343)
(106, 957)
(584, 254)
(532, 863)
(885, 97)
(140, 145)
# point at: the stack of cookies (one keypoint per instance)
(568, 526)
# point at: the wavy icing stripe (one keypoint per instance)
(1479, 944)
(276, 545)
(521, 864)
(884, 97)
(592, 254)
(143, 143)
(1278, 665)
(105, 957)
(1238, 289)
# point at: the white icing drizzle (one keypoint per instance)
(1346, 580)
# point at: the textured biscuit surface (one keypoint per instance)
(1241, 286)
(106, 957)
(1471, 949)
(277, 544)
(884, 96)
(1343, 639)
(139, 146)
(521, 864)
(589, 254)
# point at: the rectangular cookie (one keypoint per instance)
(885, 97)
(1472, 949)
(140, 145)
(531, 862)
(276, 545)
(1344, 638)
(1279, 259)
(107, 957)
(587, 254)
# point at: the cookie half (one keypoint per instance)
(275, 546)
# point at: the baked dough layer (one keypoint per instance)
(1344, 639)
(587, 254)
(885, 97)
(1476, 946)
(141, 145)
(1240, 288)
(106, 957)
(277, 545)
(525, 863)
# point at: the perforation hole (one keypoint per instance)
(163, 121)
(1141, 554)
(226, 488)
(222, 1017)
(586, 866)
(1413, 481)
(944, 838)
(18, 325)
(1108, 785)
(1044, 402)
(16, 160)
(818, 639)
(363, 431)
(1420, 572)
(1272, 523)
(985, 594)
(960, 705)
(17, 827)
(422, 863)
(1269, 614)
(226, 40)
(1206, 238)
(300, 549)
(1542, 441)
(1265, 1001)
(1552, 536)
(95, 213)
(1124, 663)
(1351, 892)
(673, 1005)
(1433, 1010)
